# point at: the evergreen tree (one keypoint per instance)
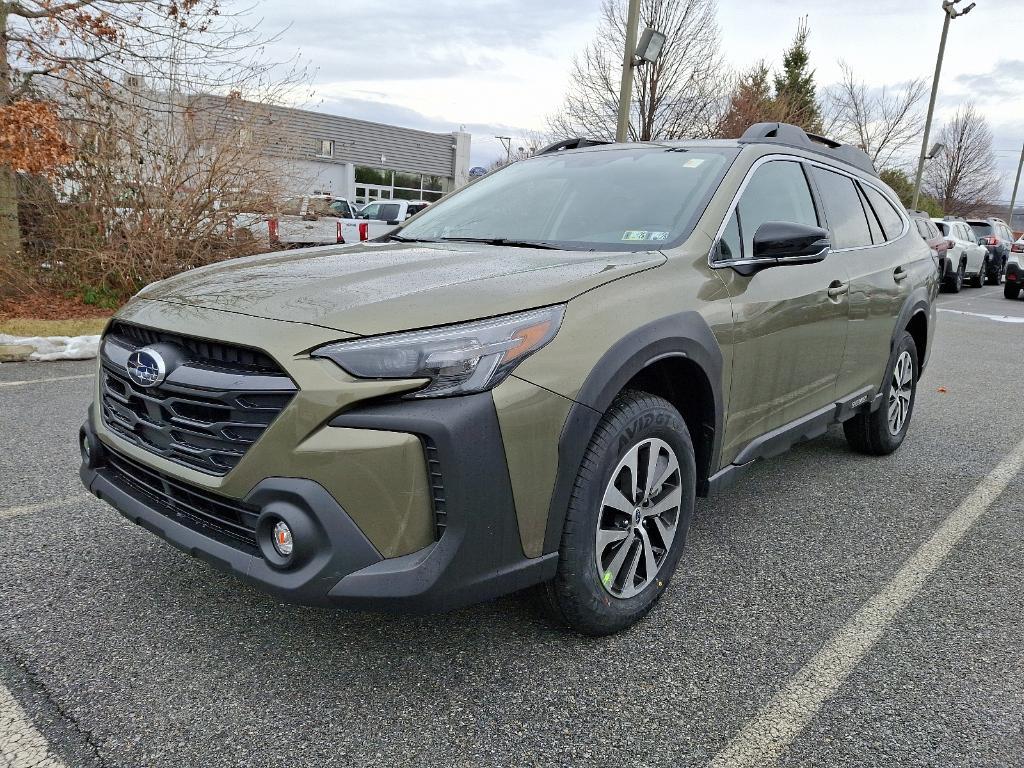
(795, 84)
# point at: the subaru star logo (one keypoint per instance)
(146, 367)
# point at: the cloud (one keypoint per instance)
(364, 40)
(1004, 80)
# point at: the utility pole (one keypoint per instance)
(628, 63)
(1016, 183)
(950, 12)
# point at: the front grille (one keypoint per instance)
(212, 407)
(219, 517)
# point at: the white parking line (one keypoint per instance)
(770, 732)
(43, 381)
(28, 509)
(997, 318)
(21, 745)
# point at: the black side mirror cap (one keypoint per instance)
(791, 242)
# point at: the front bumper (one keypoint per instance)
(477, 555)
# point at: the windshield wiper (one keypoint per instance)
(505, 241)
(401, 239)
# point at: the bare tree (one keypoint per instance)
(883, 122)
(679, 96)
(964, 176)
(67, 63)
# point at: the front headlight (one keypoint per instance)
(457, 359)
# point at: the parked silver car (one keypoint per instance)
(965, 257)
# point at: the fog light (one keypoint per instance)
(282, 539)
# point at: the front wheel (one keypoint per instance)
(627, 518)
(957, 281)
(882, 431)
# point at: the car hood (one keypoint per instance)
(375, 288)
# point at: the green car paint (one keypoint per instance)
(787, 347)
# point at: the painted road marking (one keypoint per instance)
(997, 318)
(28, 509)
(21, 745)
(43, 381)
(770, 732)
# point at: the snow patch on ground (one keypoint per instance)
(57, 347)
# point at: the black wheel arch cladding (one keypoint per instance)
(684, 335)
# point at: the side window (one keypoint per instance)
(370, 211)
(922, 228)
(843, 209)
(730, 247)
(892, 222)
(877, 236)
(777, 191)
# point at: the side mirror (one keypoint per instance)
(790, 243)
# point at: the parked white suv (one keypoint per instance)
(965, 257)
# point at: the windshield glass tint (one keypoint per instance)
(610, 199)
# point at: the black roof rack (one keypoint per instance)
(575, 143)
(795, 136)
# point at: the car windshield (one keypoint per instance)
(981, 229)
(619, 199)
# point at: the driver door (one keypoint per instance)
(790, 321)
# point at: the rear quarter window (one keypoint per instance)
(892, 222)
(843, 209)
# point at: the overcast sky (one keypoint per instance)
(501, 66)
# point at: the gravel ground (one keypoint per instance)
(124, 652)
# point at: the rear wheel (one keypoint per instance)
(978, 280)
(956, 282)
(882, 431)
(1011, 291)
(627, 518)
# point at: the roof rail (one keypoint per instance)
(576, 143)
(795, 136)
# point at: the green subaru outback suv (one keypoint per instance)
(526, 385)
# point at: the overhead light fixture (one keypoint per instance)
(937, 147)
(648, 50)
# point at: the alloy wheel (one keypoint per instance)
(900, 392)
(638, 518)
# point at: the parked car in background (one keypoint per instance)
(1014, 270)
(386, 215)
(998, 239)
(965, 257)
(306, 220)
(930, 234)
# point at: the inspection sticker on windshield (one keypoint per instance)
(693, 162)
(633, 235)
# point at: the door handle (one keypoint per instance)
(837, 289)
(900, 274)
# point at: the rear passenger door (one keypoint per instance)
(867, 231)
(790, 321)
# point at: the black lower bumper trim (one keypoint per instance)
(478, 556)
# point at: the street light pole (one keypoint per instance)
(628, 63)
(1016, 183)
(950, 12)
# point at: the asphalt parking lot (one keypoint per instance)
(829, 610)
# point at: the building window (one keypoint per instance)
(325, 148)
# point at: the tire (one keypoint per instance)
(601, 602)
(875, 433)
(978, 280)
(1011, 291)
(958, 280)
